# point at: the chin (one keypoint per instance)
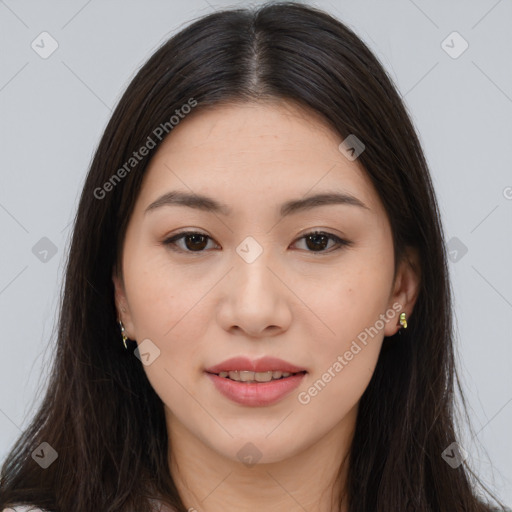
(257, 450)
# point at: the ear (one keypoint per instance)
(123, 310)
(406, 288)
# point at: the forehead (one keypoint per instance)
(264, 150)
(245, 130)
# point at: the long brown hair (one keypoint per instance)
(100, 413)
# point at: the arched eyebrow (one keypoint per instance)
(208, 204)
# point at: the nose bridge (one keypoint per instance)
(254, 297)
(251, 266)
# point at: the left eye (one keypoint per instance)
(319, 239)
(196, 241)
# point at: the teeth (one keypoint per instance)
(247, 376)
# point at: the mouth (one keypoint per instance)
(255, 382)
(250, 377)
(256, 389)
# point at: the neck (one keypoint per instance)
(313, 479)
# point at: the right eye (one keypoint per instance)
(194, 241)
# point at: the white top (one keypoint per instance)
(22, 508)
(30, 508)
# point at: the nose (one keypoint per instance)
(255, 299)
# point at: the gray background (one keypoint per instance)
(53, 111)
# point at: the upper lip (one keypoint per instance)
(264, 364)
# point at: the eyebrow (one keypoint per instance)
(208, 204)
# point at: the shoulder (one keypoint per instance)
(23, 508)
(33, 508)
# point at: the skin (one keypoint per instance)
(294, 301)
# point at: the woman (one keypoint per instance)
(257, 311)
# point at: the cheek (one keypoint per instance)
(344, 362)
(162, 297)
(172, 308)
(351, 349)
(355, 296)
(352, 307)
(169, 308)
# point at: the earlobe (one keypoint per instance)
(406, 290)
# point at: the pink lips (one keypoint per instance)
(256, 393)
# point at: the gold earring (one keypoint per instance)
(403, 320)
(123, 334)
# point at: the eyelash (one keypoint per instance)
(340, 241)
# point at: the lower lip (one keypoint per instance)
(256, 393)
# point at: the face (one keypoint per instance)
(250, 279)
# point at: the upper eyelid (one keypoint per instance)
(340, 240)
(306, 231)
(310, 232)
